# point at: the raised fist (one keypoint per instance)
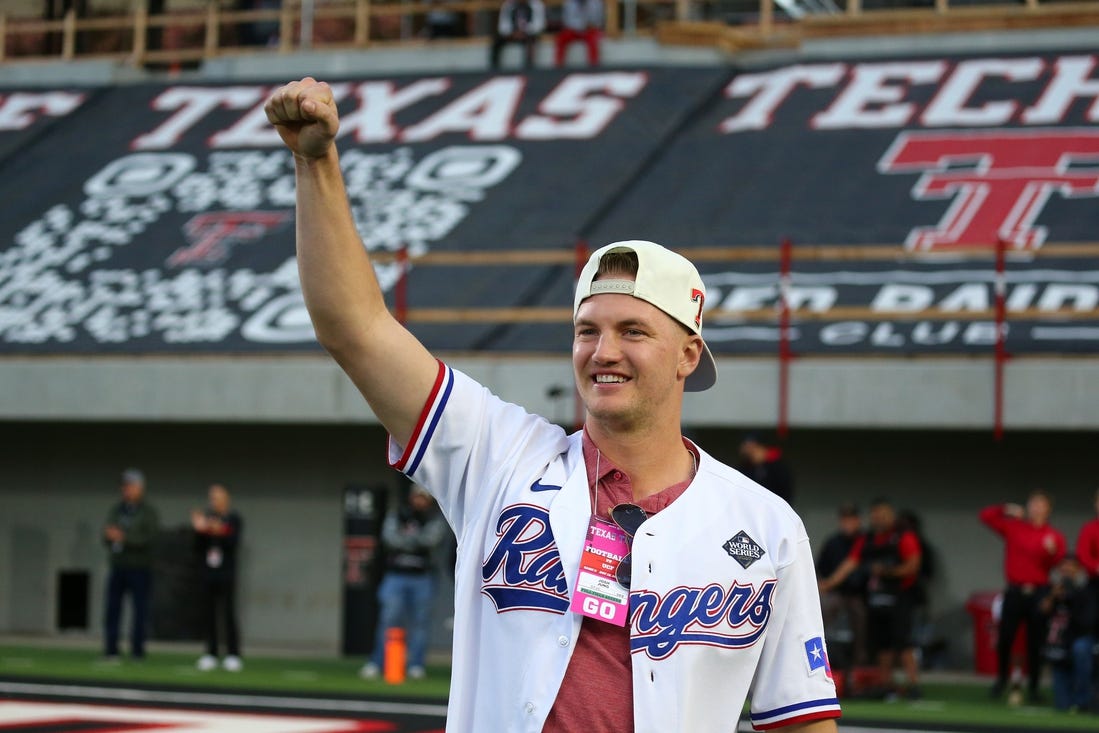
(304, 112)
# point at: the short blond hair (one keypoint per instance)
(618, 263)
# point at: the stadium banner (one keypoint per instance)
(895, 181)
(159, 218)
(29, 113)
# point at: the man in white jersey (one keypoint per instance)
(617, 579)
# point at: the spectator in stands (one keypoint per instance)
(441, 22)
(846, 603)
(131, 527)
(412, 539)
(891, 555)
(581, 20)
(217, 537)
(765, 465)
(1031, 549)
(259, 32)
(1071, 612)
(519, 22)
(154, 38)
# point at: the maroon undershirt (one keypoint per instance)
(597, 692)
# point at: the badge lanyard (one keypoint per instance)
(598, 594)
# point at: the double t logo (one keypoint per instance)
(998, 181)
(212, 235)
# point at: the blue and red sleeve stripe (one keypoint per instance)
(429, 420)
(802, 712)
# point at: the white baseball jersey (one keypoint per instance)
(723, 600)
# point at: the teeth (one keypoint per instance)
(609, 379)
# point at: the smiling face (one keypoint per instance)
(630, 359)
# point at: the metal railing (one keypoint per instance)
(210, 30)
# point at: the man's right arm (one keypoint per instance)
(995, 518)
(389, 366)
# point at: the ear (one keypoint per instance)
(689, 355)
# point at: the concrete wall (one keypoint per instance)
(57, 482)
(946, 477)
(57, 479)
(929, 393)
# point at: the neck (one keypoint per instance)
(653, 460)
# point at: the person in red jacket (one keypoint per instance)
(1087, 551)
(1087, 545)
(1031, 549)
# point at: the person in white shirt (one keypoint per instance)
(618, 578)
(520, 22)
(581, 20)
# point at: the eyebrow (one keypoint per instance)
(619, 324)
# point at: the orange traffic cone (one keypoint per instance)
(396, 654)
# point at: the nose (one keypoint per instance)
(607, 350)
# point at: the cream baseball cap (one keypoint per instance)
(665, 279)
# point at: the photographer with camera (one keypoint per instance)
(891, 554)
(1070, 608)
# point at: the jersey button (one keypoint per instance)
(562, 641)
(529, 707)
(617, 475)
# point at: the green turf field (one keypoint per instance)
(967, 706)
(306, 676)
(962, 704)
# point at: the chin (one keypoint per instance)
(620, 415)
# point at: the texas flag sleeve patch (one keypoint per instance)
(817, 656)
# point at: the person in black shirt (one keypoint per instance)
(520, 21)
(1071, 614)
(412, 538)
(847, 602)
(128, 533)
(892, 555)
(217, 537)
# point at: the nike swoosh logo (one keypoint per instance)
(539, 486)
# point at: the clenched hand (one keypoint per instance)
(304, 113)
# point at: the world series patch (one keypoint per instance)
(743, 549)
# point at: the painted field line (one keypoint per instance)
(270, 702)
(746, 727)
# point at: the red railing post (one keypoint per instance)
(400, 290)
(785, 354)
(1001, 355)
